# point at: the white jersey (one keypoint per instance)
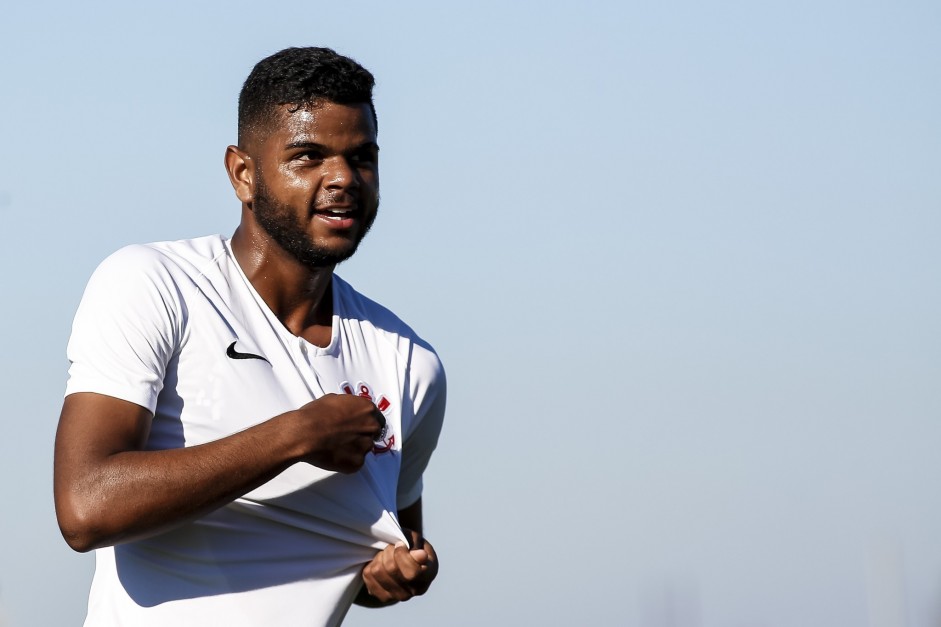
(176, 327)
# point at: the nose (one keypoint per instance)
(339, 174)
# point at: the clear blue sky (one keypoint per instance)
(681, 260)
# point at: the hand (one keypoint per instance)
(343, 429)
(398, 574)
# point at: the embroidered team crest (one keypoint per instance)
(386, 440)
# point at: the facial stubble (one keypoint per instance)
(287, 230)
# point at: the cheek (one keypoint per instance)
(370, 181)
(297, 184)
(297, 180)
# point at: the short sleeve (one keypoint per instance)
(429, 389)
(127, 328)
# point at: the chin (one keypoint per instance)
(318, 257)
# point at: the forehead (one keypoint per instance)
(324, 122)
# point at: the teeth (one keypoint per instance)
(335, 213)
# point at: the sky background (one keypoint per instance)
(681, 261)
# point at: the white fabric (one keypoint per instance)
(153, 328)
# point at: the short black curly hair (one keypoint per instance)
(300, 77)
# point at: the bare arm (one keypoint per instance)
(108, 490)
(410, 517)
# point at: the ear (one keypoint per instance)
(241, 170)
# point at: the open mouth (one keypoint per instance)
(336, 217)
(343, 217)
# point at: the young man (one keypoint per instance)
(244, 435)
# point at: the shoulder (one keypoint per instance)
(380, 320)
(132, 318)
(184, 254)
(153, 282)
(159, 264)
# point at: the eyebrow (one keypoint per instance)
(322, 148)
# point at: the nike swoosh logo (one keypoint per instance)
(234, 354)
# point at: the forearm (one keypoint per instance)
(108, 489)
(132, 494)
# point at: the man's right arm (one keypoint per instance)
(108, 489)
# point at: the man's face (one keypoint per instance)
(317, 181)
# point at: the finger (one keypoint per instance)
(377, 576)
(415, 539)
(383, 579)
(395, 565)
(429, 570)
(366, 443)
(419, 555)
(407, 566)
(432, 556)
(387, 592)
(382, 424)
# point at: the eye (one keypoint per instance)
(309, 155)
(365, 157)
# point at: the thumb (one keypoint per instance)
(419, 555)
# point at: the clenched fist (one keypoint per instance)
(341, 429)
(398, 573)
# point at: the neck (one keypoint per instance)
(299, 296)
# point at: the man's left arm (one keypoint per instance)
(400, 572)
